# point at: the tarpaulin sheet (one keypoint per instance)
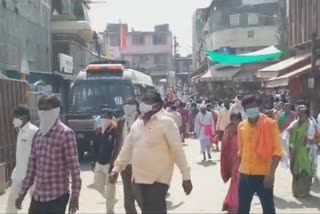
(257, 56)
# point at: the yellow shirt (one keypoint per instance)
(153, 149)
(251, 163)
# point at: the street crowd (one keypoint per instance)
(144, 145)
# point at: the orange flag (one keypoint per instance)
(123, 37)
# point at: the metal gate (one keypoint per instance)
(12, 93)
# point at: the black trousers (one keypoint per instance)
(129, 197)
(57, 206)
(248, 186)
(152, 196)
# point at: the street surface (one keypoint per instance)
(207, 196)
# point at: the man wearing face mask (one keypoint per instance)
(130, 115)
(26, 132)
(259, 151)
(153, 146)
(104, 153)
(53, 159)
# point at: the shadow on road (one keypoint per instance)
(316, 187)
(309, 202)
(282, 204)
(170, 205)
(207, 163)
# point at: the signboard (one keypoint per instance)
(66, 63)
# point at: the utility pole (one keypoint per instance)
(175, 53)
(314, 52)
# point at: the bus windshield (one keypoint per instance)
(93, 95)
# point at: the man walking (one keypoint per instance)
(104, 153)
(130, 115)
(223, 119)
(259, 150)
(26, 133)
(153, 146)
(53, 158)
(204, 129)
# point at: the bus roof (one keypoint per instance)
(134, 76)
(137, 77)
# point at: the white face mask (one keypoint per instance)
(129, 109)
(105, 123)
(145, 108)
(17, 123)
(47, 119)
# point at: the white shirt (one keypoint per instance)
(24, 144)
(152, 149)
(223, 119)
(128, 122)
(205, 119)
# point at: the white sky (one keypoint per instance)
(144, 14)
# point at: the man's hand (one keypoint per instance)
(73, 205)
(187, 186)
(268, 181)
(19, 201)
(113, 176)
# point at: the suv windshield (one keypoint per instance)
(93, 95)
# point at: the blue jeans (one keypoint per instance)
(248, 186)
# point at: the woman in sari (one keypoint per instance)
(286, 117)
(300, 163)
(230, 163)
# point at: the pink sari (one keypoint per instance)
(229, 168)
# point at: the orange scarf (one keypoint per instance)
(264, 144)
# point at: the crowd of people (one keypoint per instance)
(144, 144)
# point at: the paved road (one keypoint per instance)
(207, 196)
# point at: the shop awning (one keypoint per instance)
(257, 56)
(200, 70)
(283, 80)
(196, 79)
(246, 76)
(220, 72)
(276, 69)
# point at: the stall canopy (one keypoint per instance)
(283, 80)
(220, 72)
(257, 56)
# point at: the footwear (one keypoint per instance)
(204, 157)
(209, 156)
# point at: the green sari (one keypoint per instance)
(300, 163)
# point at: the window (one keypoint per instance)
(159, 39)
(160, 59)
(234, 19)
(114, 41)
(250, 34)
(137, 39)
(253, 19)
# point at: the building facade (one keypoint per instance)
(73, 42)
(25, 41)
(151, 51)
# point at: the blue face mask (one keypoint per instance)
(252, 113)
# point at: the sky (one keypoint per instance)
(142, 15)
